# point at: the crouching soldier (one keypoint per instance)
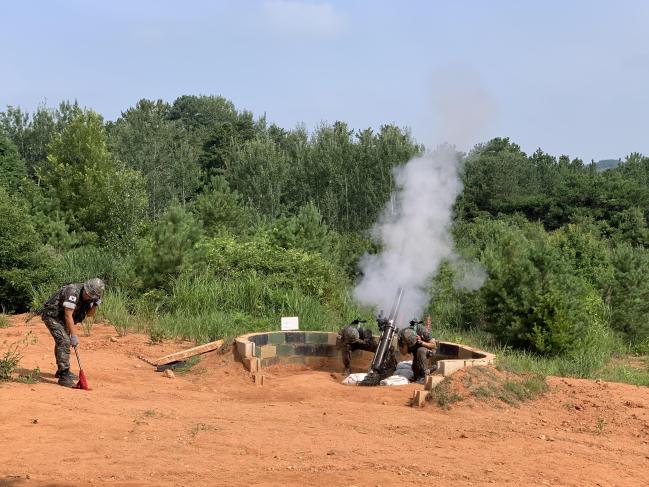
(354, 337)
(415, 339)
(70, 305)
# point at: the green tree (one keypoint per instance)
(22, 260)
(221, 210)
(12, 168)
(94, 194)
(169, 249)
(163, 150)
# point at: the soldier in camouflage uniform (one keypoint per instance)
(70, 305)
(415, 339)
(354, 337)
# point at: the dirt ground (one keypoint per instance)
(213, 426)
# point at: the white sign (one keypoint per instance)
(290, 323)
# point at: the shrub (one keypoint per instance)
(169, 249)
(22, 258)
(629, 290)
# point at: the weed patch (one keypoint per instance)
(444, 395)
(188, 365)
(13, 355)
(486, 383)
(30, 377)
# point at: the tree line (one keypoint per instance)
(207, 221)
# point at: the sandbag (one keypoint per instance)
(354, 379)
(395, 380)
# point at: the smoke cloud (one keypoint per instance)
(414, 230)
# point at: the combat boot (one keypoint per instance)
(58, 374)
(67, 378)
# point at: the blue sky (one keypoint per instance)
(571, 77)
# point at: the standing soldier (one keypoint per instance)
(416, 340)
(354, 337)
(66, 307)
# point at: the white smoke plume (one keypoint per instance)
(469, 275)
(414, 231)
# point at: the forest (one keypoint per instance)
(207, 222)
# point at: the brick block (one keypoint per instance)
(331, 338)
(251, 364)
(267, 351)
(258, 379)
(317, 337)
(432, 381)
(285, 350)
(267, 362)
(449, 367)
(245, 348)
(276, 338)
(419, 398)
(295, 337)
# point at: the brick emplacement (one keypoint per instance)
(317, 350)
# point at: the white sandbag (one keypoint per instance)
(354, 379)
(407, 373)
(395, 380)
(406, 364)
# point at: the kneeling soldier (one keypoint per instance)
(416, 340)
(66, 307)
(354, 337)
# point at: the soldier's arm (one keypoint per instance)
(69, 321)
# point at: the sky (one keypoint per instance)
(570, 77)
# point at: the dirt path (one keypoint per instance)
(212, 426)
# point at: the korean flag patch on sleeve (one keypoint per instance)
(72, 299)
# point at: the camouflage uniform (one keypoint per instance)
(419, 352)
(351, 338)
(53, 314)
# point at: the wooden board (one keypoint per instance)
(185, 354)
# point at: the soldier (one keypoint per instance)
(416, 340)
(354, 337)
(70, 305)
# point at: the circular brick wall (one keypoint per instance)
(317, 349)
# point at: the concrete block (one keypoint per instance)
(331, 338)
(267, 362)
(317, 337)
(432, 381)
(419, 398)
(449, 367)
(258, 379)
(285, 350)
(267, 351)
(276, 338)
(252, 364)
(245, 348)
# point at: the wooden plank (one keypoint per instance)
(190, 352)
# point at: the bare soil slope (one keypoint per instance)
(213, 426)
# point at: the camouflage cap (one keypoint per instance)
(350, 334)
(94, 287)
(408, 337)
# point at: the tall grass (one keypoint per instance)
(115, 310)
(589, 361)
(203, 308)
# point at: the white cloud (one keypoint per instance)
(289, 17)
